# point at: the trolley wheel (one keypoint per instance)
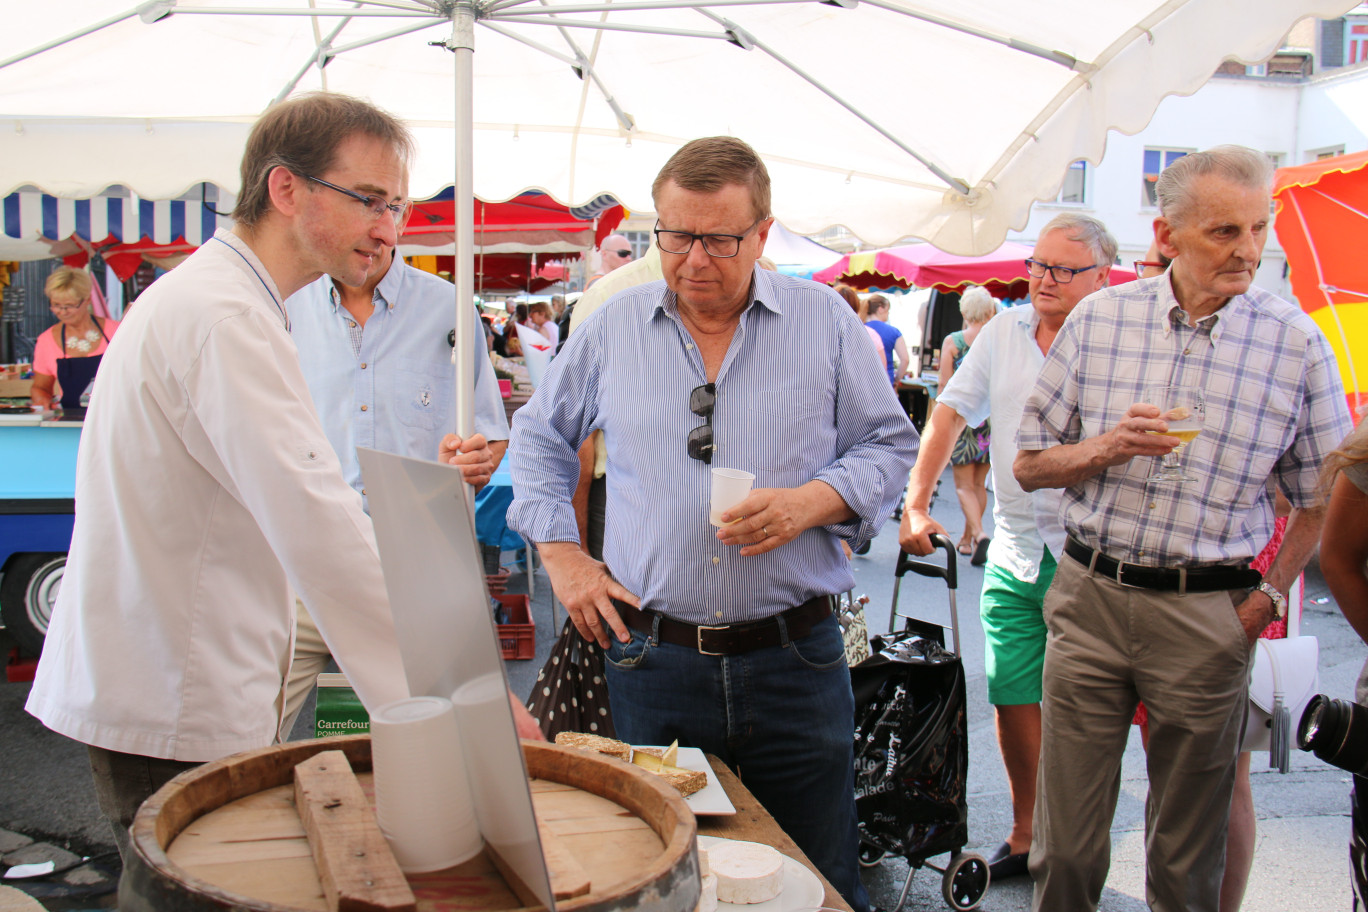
(966, 880)
(871, 857)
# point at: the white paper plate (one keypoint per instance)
(711, 800)
(802, 889)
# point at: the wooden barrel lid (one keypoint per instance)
(226, 835)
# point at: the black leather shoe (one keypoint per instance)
(1003, 864)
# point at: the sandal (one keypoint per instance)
(966, 546)
(980, 552)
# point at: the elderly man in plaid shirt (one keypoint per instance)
(1154, 599)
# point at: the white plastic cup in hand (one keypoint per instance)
(729, 488)
(422, 797)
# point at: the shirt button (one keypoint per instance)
(363, 365)
(1187, 351)
(1151, 506)
(365, 408)
(716, 560)
(363, 492)
(718, 614)
(352, 324)
(689, 346)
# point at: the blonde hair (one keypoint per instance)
(977, 305)
(65, 278)
(1352, 451)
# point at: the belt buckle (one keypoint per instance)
(700, 629)
(1120, 571)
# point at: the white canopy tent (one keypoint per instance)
(971, 111)
(938, 119)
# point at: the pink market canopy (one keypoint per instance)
(1002, 272)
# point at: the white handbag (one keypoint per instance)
(1285, 676)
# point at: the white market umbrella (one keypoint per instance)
(939, 119)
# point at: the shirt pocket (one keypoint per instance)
(1247, 448)
(421, 396)
(788, 436)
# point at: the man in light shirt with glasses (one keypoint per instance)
(1071, 260)
(722, 638)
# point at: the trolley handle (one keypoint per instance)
(950, 572)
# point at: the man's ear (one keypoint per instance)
(1163, 238)
(285, 187)
(1103, 277)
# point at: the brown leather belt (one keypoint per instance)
(1196, 579)
(730, 639)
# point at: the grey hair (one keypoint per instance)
(977, 305)
(1088, 231)
(1237, 164)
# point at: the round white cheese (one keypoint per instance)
(703, 869)
(747, 872)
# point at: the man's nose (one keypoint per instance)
(698, 256)
(386, 229)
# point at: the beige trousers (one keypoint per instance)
(311, 656)
(1188, 658)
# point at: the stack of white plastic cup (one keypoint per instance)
(422, 795)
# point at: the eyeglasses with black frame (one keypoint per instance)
(1062, 275)
(702, 400)
(374, 204)
(721, 246)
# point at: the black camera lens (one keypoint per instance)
(1336, 731)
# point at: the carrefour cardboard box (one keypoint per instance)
(339, 710)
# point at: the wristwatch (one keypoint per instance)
(1277, 598)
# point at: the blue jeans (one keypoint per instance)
(781, 718)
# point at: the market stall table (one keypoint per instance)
(754, 824)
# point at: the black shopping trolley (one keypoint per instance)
(912, 746)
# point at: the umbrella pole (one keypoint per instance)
(462, 45)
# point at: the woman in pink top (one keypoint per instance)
(66, 357)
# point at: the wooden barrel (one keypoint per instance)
(226, 836)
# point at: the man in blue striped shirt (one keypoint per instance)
(1155, 599)
(722, 638)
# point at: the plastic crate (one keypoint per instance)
(517, 638)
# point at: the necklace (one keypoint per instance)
(86, 342)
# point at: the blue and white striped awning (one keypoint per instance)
(33, 215)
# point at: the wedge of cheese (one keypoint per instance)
(746, 872)
(661, 761)
(595, 744)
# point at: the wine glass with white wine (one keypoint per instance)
(1185, 411)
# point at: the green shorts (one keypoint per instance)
(1014, 633)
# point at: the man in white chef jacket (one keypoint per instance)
(206, 489)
